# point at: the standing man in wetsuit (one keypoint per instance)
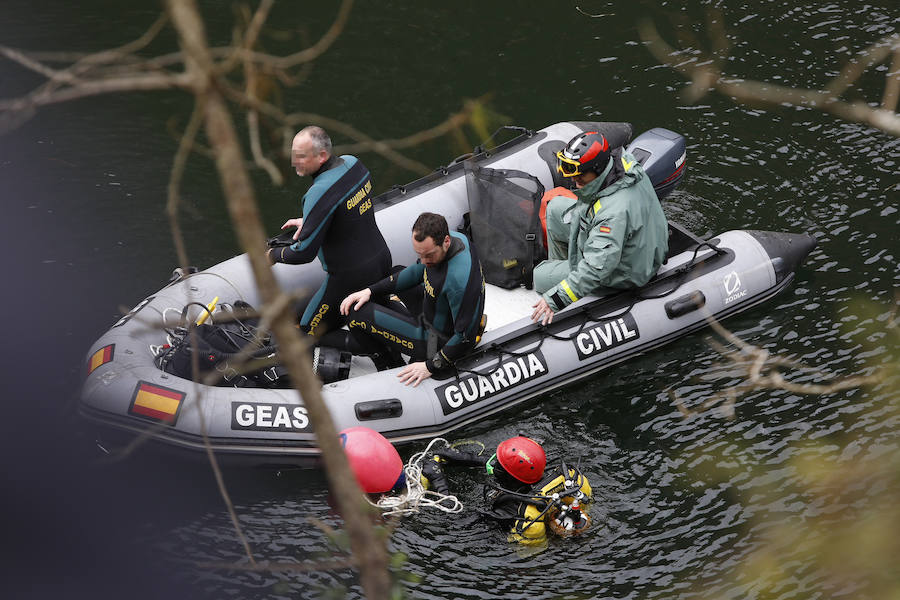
(453, 305)
(337, 225)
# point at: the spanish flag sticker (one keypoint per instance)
(100, 357)
(604, 229)
(156, 403)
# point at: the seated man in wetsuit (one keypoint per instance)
(452, 301)
(610, 235)
(524, 496)
(338, 225)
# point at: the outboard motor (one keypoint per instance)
(663, 154)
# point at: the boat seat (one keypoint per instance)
(503, 306)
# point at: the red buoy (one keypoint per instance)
(374, 460)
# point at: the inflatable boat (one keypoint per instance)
(516, 360)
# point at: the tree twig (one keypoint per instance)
(250, 77)
(244, 212)
(892, 86)
(759, 370)
(132, 83)
(705, 76)
(864, 60)
(181, 156)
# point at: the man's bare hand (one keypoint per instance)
(542, 312)
(414, 373)
(356, 300)
(298, 223)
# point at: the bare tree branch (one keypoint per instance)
(64, 76)
(250, 77)
(319, 48)
(759, 370)
(705, 76)
(453, 122)
(281, 63)
(892, 86)
(295, 119)
(271, 311)
(194, 69)
(135, 83)
(181, 156)
(82, 62)
(118, 70)
(370, 553)
(255, 147)
(243, 41)
(217, 471)
(864, 60)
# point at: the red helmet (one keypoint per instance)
(585, 153)
(523, 458)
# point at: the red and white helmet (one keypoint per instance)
(585, 153)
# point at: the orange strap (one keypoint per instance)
(547, 197)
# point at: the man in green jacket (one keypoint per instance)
(612, 236)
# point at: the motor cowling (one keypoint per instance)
(663, 155)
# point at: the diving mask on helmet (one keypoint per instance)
(587, 152)
(569, 167)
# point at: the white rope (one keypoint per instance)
(416, 496)
(165, 318)
(156, 350)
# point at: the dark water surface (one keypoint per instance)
(682, 504)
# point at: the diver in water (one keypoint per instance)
(522, 495)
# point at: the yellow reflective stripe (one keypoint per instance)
(565, 286)
(597, 206)
(627, 164)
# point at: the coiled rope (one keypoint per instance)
(416, 496)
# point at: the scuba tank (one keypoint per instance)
(558, 503)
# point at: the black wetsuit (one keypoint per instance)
(452, 307)
(339, 227)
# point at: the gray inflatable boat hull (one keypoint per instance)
(515, 361)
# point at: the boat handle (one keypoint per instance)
(685, 304)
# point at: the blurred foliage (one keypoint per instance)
(484, 120)
(339, 539)
(837, 528)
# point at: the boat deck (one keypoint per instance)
(502, 307)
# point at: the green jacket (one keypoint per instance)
(618, 236)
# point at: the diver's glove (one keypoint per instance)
(434, 478)
(459, 457)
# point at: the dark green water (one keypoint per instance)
(681, 503)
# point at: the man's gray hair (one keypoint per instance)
(318, 137)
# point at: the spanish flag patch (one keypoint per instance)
(100, 358)
(156, 403)
(604, 229)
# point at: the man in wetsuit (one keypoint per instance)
(450, 322)
(610, 235)
(338, 226)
